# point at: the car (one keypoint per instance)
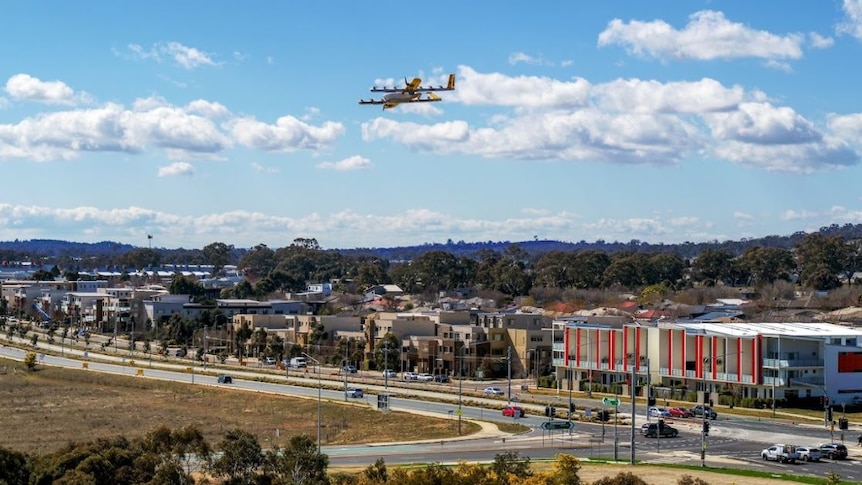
(350, 369)
(679, 412)
(653, 430)
(354, 392)
(441, 378)
(389, 373)
(659, 412)
(780, 453)
(493, 391)
(424, 377)
(180, 353)
(699, 411)
(225, 379)
(269, 361)
(410, 376)
(833, 451)
(808, 453)
(513, 411)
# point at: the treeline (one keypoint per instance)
(165, 456)
(815, 261)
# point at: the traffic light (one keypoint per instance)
(706, 427)
(828, 414)
(571, 407)
(843, 423)
(661, 424)
(553, 412)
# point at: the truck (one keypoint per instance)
(298, 362)
(780, 453)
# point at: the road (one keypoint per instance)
(733, 439)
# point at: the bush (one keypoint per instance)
(30, 360)
(547, 382)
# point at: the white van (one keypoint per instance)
(298, 362)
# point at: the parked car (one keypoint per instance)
(390, 373)
(780, 453)
(699, 410)
(441, 378)
(349, 369)
(493, 391)
(513, 411)
(410, 376)
(354, 392)
(269, 361)
(808, 453)
(833, 451)
(652, 430)
(680, 412)
(659, 412)
(298, 362)
(425, 377)
(225, 379)
(180, 353)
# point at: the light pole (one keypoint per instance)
(317, 363)
(509, 367)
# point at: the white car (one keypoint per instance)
(425, 377)
(493, 391)
(410, 376)
(808, 453)
(389, 373)
(659, 412)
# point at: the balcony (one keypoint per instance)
(774, 381)
(785, 363)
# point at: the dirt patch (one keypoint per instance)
(49, 407)
(656, 475)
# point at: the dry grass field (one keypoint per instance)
(44, 409)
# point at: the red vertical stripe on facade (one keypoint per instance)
(611, 345)
(637, 357)
(565, 345)
(738, 360)
(598, 349)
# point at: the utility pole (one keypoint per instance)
(386, 366)
(205, 347)
(460, 382)
(344, 366)
(509, 362)
(634, 385)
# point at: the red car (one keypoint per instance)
(680, 412)
(514, 411)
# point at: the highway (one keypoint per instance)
(734, 440)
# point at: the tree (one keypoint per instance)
(621, 478)
(30, 360)
(14, 467)
(712, 264)
(821, 259)
(218, 254)
(510, 463)
(390, 359)
(298, 463)
(241, 458)
(767, 265)
(566, 471)
(186, 285)
(258, 262)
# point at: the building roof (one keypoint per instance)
(789, 329)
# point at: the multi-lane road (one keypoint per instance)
(733, 440)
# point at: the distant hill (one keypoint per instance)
(56, 248)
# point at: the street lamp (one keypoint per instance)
(316, 362)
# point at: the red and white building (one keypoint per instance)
(756, 360)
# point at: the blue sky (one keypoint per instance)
(238, 122)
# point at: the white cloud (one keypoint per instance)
(28, 88)
(286, 135)
(567, 63)
(522, 58)
(176, 168)
(852, 24)
(778, 65)
(207, 109)
(355, 162)
(263, 169)
(639, 96)
(186, 57)
(820, 42)
(792, 215)
(522, 91)
(743, 216)
(708, 35)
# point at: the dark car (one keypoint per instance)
(652, 430)
(441, 378)
(224, 379)
(350, 369)
(354, 392)
(699, 411)
(833, 451)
